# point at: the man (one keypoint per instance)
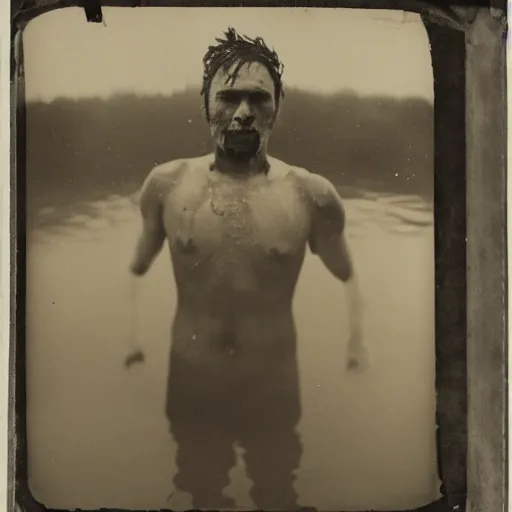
(237, 223)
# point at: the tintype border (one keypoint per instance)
(468, 55)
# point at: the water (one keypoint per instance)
(98, 436)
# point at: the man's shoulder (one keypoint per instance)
(172, 172)
(315, 186)
(175, 168)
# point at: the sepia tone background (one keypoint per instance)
(106, 103)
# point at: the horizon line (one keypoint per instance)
(184, 90)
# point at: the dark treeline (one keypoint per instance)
(92, 148)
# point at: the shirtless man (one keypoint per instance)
(237, 223)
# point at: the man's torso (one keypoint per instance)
(237, 246)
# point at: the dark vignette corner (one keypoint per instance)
(447, 49)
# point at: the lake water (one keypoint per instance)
(98, 436)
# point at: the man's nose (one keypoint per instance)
(243, 115)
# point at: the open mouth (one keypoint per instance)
(243, 141)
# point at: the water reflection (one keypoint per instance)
(368, 442)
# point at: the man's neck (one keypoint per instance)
(224, 164)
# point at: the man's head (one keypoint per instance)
(242, 89)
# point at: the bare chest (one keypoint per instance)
(229, 217)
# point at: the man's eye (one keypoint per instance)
(258, 97)
(229, 97)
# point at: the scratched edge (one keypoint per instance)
(487, 270)
(17, 396)
(11, 424)
(438, 11)
(18, 148)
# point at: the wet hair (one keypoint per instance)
(240, 49)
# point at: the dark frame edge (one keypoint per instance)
(434, 11)
(450, 258)
(497, 212)
(12, 419)
(19, 495)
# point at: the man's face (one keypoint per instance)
(242, 114)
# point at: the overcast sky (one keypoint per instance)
(159, 50)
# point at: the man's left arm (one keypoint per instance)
(328, 241)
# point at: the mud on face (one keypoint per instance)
(242, 113)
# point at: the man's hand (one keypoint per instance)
(135, 357)
(137, 268)
(358, 358)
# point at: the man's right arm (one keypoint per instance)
(152, 237)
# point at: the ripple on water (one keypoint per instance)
(392, 214)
